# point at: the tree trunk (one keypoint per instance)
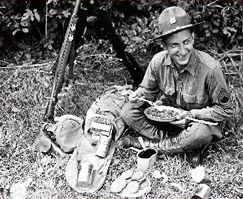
(119, 46)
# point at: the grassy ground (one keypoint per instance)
(25, 90)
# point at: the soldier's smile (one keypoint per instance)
(179, 46)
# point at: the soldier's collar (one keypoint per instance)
(191, 66)
(168, 60)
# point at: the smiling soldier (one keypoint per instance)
(188, 79)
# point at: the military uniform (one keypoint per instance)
(199, 88)
(196, 85)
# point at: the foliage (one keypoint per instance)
(35, 21)
(45, 21)
(222, 30)
(35, 28)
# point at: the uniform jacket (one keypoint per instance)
(200, 87)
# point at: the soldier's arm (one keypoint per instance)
(222, 106)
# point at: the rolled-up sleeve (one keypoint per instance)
(219, 94)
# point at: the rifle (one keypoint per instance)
(61, 64)
(43, 141)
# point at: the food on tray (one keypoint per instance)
(137, 175)
(130, 182)
(132, 187)
(118, 185)
(162, 113)
(127, 174)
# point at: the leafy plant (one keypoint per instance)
(44, 22)
(223, 27)
(41, 20)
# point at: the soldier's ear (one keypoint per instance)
(163, 43)
(193, 36)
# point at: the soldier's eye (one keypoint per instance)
(172, 45)
(188, 41)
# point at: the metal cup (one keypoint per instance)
(202, 192)
(146, 159)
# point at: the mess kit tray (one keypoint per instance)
(162, 113)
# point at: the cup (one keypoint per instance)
(146, 158)
(202, 192)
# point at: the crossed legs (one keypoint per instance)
(166, 137)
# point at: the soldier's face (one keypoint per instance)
(179, 46)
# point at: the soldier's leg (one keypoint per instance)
(195, 136)
(135, 118)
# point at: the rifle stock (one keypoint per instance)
(61, 64)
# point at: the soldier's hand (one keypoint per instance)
(180, 123)
(182, 115)
(133, 98)
(158, 103)
(180, 119)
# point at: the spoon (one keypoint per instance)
(202, 121)
(151, 103)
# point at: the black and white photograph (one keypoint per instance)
(121, 99)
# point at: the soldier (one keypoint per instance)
(188, 79)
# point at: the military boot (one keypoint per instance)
(200, 154)
(179, 142)
(129, 141)
(166, 145)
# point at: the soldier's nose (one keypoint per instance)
(183, 51)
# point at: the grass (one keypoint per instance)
(25, 90)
